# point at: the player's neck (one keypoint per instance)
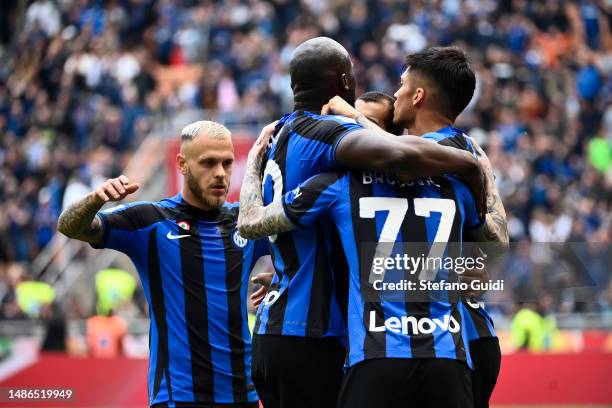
(308, 106)
(429, 122)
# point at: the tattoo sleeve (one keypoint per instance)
(493, 234)
(256, 220)
(79, 221)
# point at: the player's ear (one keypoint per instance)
(181, 163)
(418, 97)
(345, 83)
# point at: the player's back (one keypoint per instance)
(303, 299)
(379, 220)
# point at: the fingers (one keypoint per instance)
(132, 188)
(258, 296)
(116, 189)
(326, 109)
(101, 195)
(119, 187)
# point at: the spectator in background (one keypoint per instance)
(105, 335)
(114, 287)
(80, 86)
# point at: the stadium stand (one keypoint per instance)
(83, 85)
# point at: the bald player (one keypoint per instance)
(194, 269)
(298, 348)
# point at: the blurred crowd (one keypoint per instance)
(81, 83)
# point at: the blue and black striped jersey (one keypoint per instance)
(194, 269)
(307, 293)
(480, 323)
(373, 209)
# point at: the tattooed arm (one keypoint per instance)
(493, 234)
(79, 221)
(254, 220)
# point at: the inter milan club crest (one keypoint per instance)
(184, 225)
(238, 240)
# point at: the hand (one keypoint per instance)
(264, 279)
(475, 274)
(261, 143)
(338, 106)
(115, 190)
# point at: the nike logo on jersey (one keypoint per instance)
(170, 236)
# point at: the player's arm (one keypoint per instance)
(374, 149)
(493, 233)
(256, 220)
(79, 221)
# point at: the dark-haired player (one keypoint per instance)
(403, 348)
(432, 78)
(378, 108)
(300, 327)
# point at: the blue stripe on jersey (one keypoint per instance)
(174, 298)
(214, 271)
(444, 345)
(396, 343)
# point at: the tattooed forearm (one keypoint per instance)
(79, 221)
(493, 234)
(254, 220)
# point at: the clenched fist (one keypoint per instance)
(115, 190)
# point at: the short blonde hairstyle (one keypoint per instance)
(207, 128)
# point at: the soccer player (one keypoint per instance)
(194, 268)
(402, 349)
(378, 108)
(432, 78)
(301, 325)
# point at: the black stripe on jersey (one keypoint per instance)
(321, 289)
(447, 191)
(365, 232)
(137, 216)
(233, 284)
(310, 196)
(480, 322)
(159, 314)
(322, 130)
(414, 241)
(340, 269)
(458, 141)
(196, 316)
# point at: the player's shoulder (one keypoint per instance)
(451, 137)
(136, 215)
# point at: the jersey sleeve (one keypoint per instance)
(458, 141)
(328, 130)
(465, 197)
(314, 198)
(122, 226)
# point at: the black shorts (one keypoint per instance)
(403, 383)
(297, 372)
(486, 357)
